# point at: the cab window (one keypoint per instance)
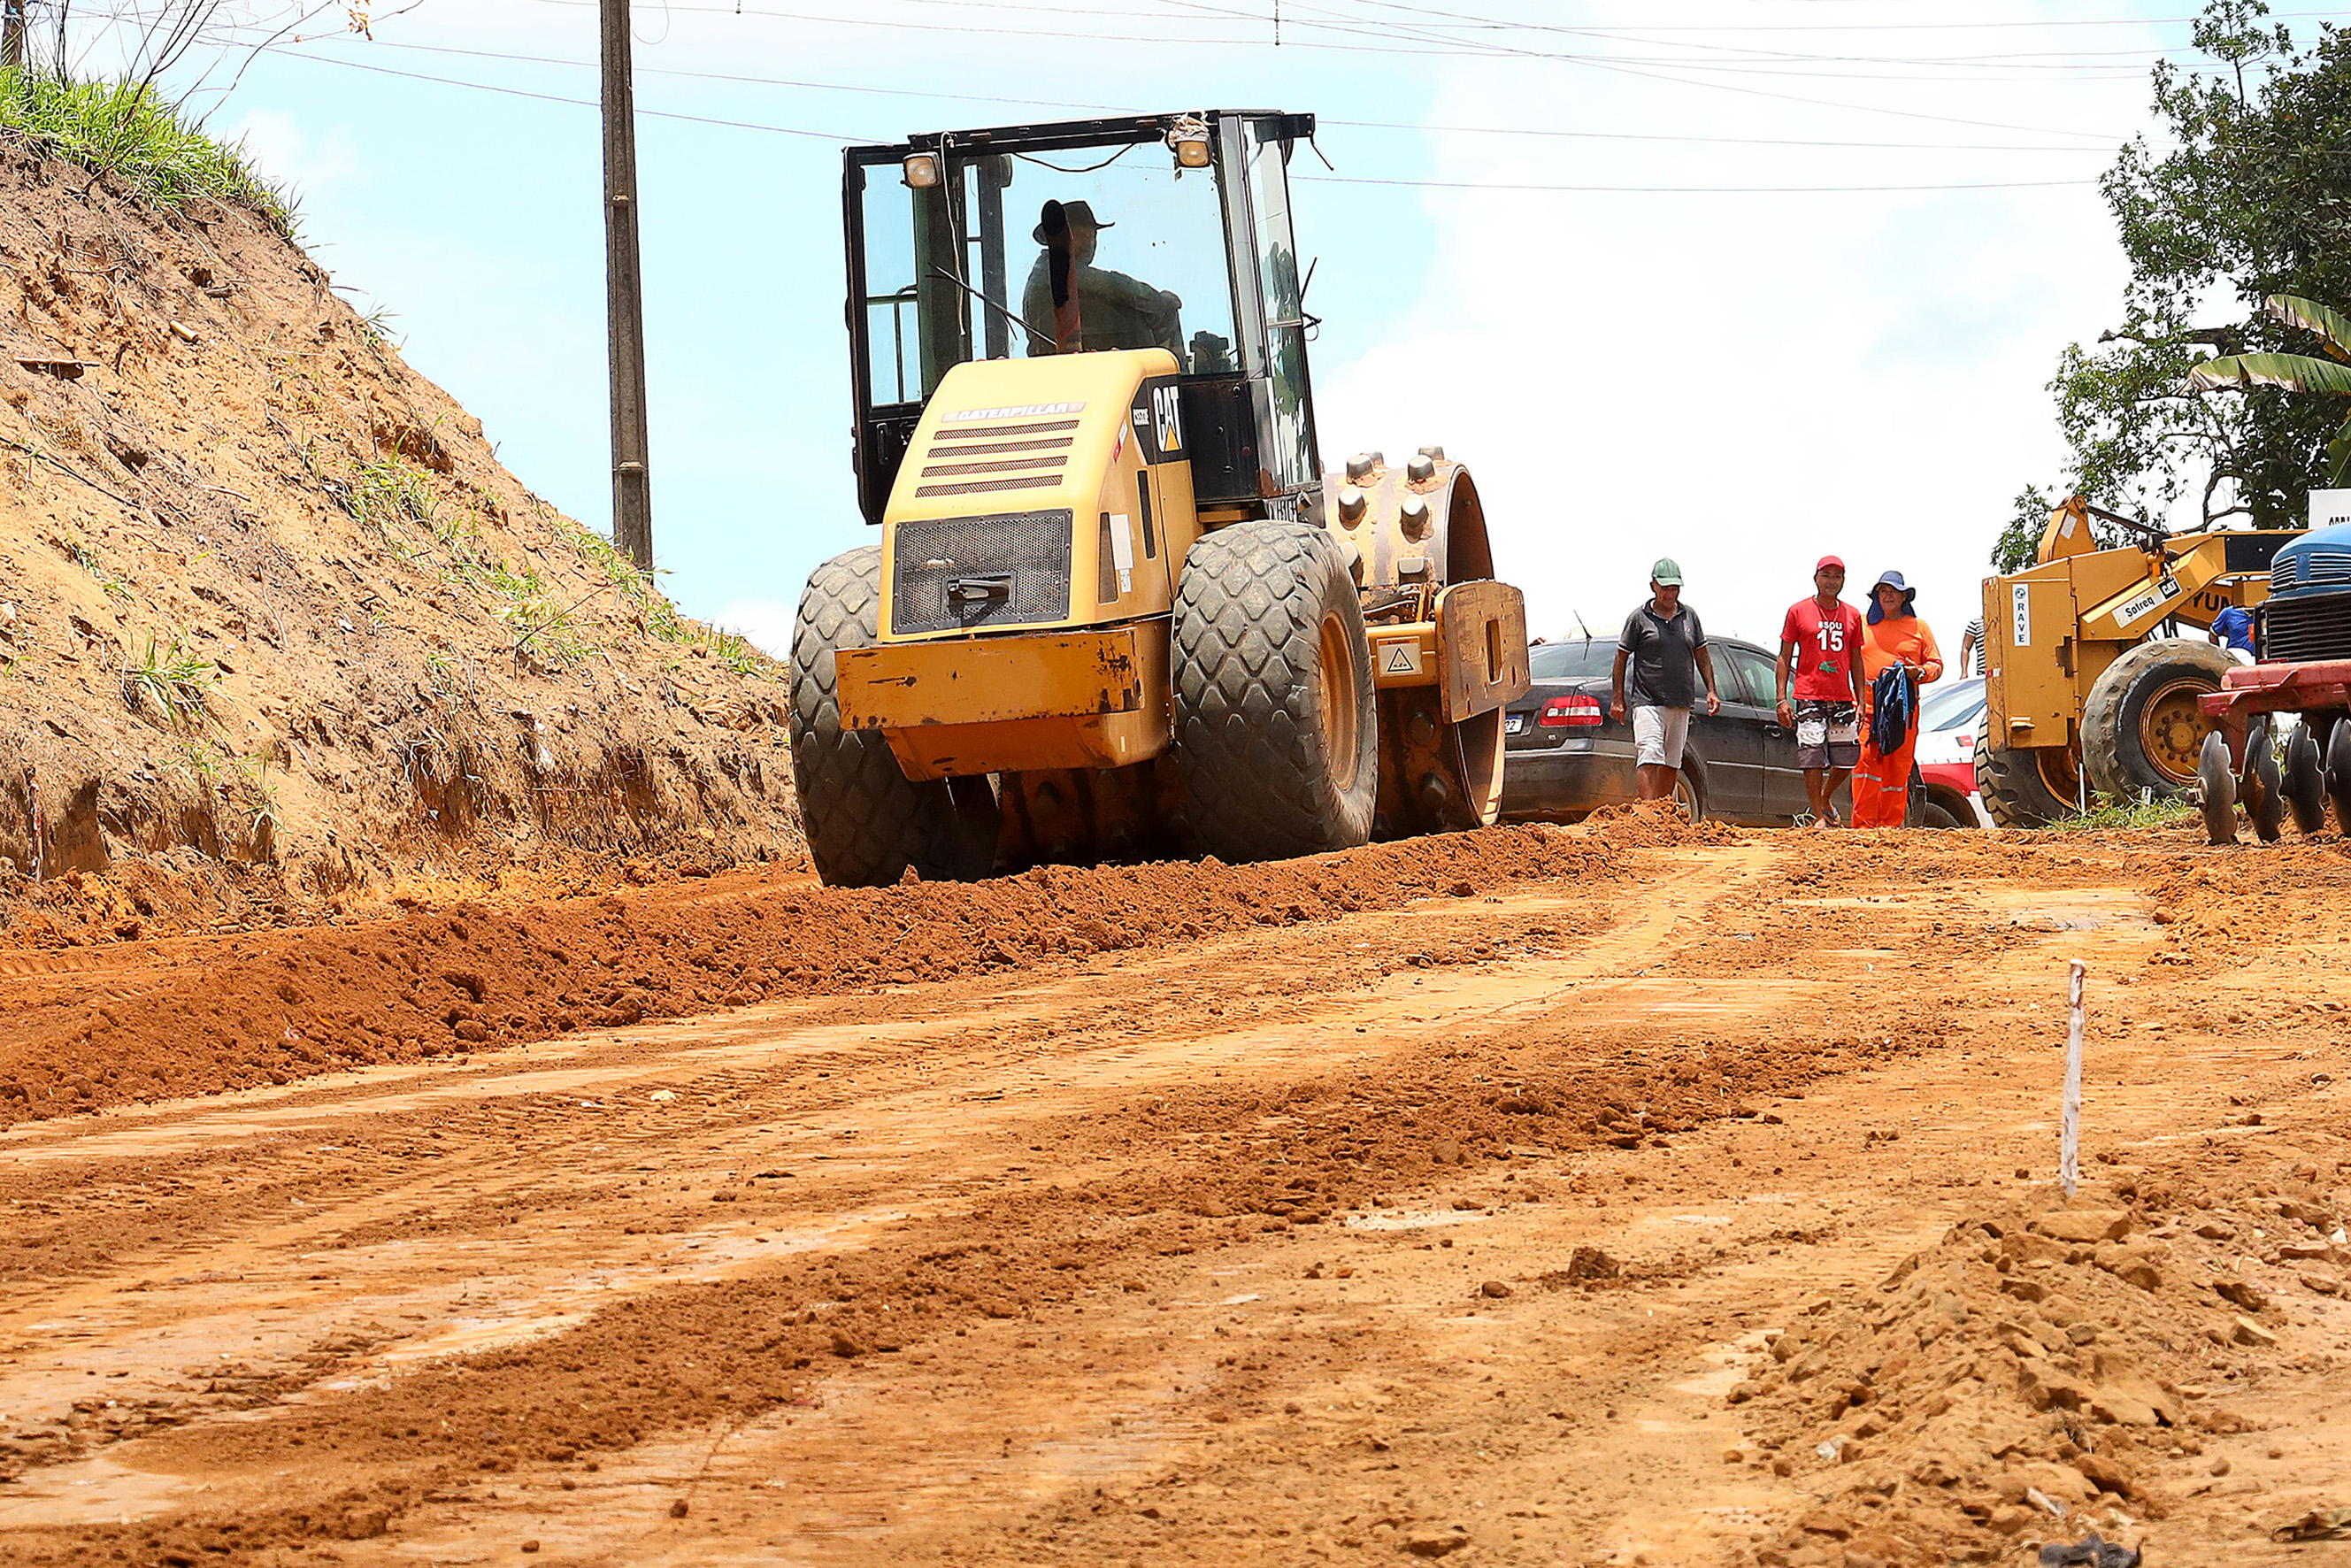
(962, 269)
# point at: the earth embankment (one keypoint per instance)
(277, 627)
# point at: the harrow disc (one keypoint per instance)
(2338, 774)
(2306, 782)
(2264, 792)
(2217, 788)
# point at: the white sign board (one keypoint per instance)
(2021, 595)
(2328, 507)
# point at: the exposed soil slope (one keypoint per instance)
(268, 601)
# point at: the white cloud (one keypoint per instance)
(284, 151)
(766, 622)
(1742, 382)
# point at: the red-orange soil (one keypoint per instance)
(1607, 1195)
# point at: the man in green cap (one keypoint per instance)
(1665, 647)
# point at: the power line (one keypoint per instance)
(575, 102)
(1348, 124)
(1688, 190)
(1335, 180)
(1744, 91)
(1421, 44)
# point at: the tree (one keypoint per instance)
(2296, 372)
(2252, 200)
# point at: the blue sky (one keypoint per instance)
(1712, 358)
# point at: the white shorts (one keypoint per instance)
(1660, 733)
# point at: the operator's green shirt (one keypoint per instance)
(1114, 311)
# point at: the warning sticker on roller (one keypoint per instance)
(1400, 658)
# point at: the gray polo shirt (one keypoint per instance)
(1664, 670)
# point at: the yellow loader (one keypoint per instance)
(1117, 609)
(2082, 692)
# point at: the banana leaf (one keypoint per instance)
(2338, 457)
(2297, 372)
(2331, 325)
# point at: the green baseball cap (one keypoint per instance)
(1666, 573)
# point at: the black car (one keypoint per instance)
(1565, 756)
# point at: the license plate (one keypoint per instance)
(1513, 724)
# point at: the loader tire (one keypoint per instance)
(1277, 736)
(2141, 728)
(2015, 788)
(866, 820)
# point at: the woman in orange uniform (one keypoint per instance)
(1894, 635)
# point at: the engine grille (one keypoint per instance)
(1031, 548)
(2320, 565)
(2306, 626)
(1035, 451)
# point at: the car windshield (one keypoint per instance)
(1572, 661)
(1952, 707)
(962, 269)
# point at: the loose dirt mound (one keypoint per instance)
(2017, 1379)
(1651, 822)
(266, 593)
(225, 1014)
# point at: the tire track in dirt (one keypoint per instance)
(1167, 1247)
(1080, 1064)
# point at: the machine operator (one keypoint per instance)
(1070, 305)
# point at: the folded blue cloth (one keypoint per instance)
(1892, 708)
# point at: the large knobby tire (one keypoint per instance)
(2142, 726)
(866, 820)
(1276, 735)
(2015, 787)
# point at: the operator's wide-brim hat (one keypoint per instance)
(1074, 214)
(1891, 580)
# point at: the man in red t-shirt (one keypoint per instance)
(1819, 646)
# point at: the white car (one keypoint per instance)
(1947, 721)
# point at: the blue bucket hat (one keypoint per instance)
(1890, 580)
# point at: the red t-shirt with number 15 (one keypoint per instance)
(1827, 643)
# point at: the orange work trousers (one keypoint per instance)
(1881, 784)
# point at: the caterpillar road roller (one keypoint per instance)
(2084, 691)
(1116, 608)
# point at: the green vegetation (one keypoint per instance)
(255, 771)
(375, 328)
(173, 678)
(198, 764)
(388, 492)
(390, 496)
(2237, 197)
(2296, 372)
(2109, 812)
(541, 626)
(135, 137)
(84, 557)
(655, 614)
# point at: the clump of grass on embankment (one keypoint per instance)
(136, 137)
(2108, 813)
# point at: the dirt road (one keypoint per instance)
(1615, 1194)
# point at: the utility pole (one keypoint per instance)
(12, 34)
(632, 501)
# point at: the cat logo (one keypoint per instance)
(1167, 420)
